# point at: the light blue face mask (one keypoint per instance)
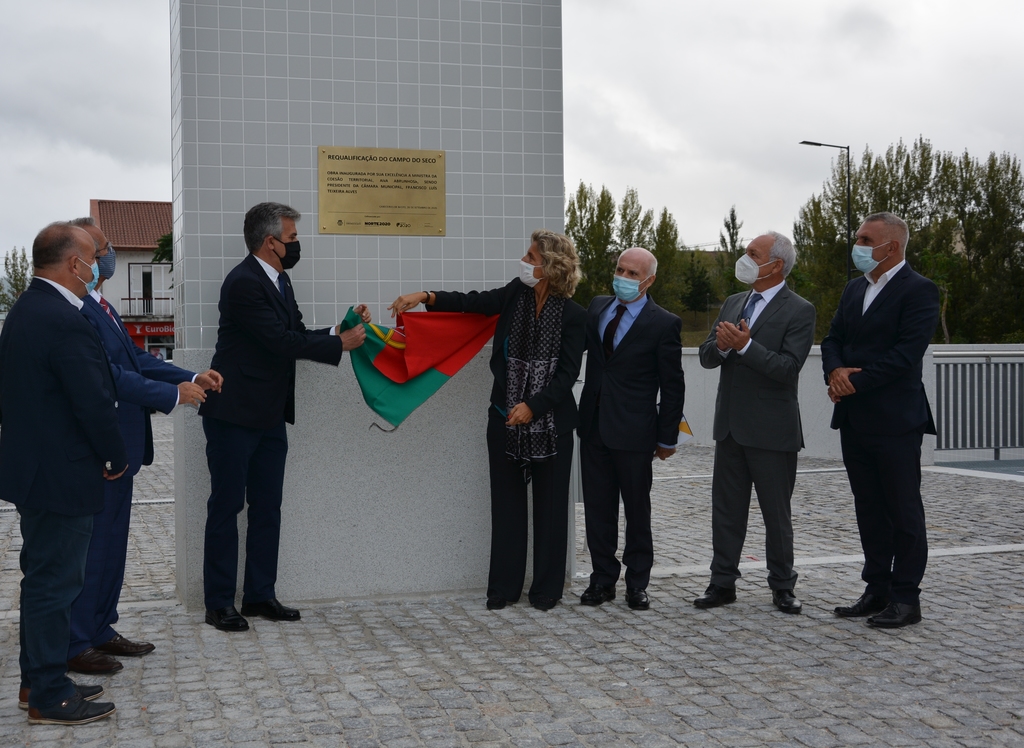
(862, 258)
(95, 276)
(626, 289)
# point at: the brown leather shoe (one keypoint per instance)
(88, 693)
(125, 647)
(92, 662)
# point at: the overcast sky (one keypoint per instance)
(698, 105)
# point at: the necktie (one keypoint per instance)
(280, 285)
(748, 310)
(106, 308)
(609, 332)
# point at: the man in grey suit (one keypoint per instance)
(760, 340)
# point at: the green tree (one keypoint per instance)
(664, 245)
(164, 249)
(699, 288)
(730, 248)
(590, 223)
(18, 274)
(636, 225)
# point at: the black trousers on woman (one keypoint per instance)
(509, 518)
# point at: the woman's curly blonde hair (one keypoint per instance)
(559, 261)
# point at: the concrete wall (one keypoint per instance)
(256, 86)
(815, 407)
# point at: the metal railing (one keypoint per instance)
(979, 399)
(158, 307)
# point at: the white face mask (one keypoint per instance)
(747, 271)
(526, 274)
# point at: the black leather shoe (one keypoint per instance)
(596, 594)
(786, 601)
(125, 647)
(637, 598)
(88, 693)
(896, 615)
(227, 619)
(92, 662)
(866, 605)
(714, 596)
(544, 603)
(496, 603)
(73, 711)
(271, 609)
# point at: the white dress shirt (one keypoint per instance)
(72, 299)
(875, 286)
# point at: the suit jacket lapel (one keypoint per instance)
(891, 287)
(595, 325)
(773, 306)
(275, 292)
(641, 321)
(115, 325)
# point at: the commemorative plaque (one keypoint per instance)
(388, 191)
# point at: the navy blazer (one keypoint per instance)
(888, 343)
(143, 383)
(647, 360)
(57, 407)
(260, 336)
(557, 396)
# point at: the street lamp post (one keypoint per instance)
(849, 202)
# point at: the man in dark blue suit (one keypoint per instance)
(634, 355)
(143, 383)
(872, 358)
(60, 439)
(260, 336)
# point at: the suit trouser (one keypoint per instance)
(885, 477)
(94, 611)
(510, 518)
(606, 474)
(246, 467)
(53, 552)
(773, 474)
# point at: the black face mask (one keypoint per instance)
(292, 255)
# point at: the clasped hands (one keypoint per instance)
(839, 384)
(194, 393)
(730, 336)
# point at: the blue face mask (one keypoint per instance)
(108, 262)
(95, 276)
(626, 289)
(862, 258)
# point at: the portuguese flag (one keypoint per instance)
(399, 368)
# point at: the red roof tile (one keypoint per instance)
(132, 224)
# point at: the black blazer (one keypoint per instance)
(57, 407)
(888, 343)
(646, 361)
(260, 336)
(557, 395)
(143, 382)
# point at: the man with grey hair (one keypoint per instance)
(634, 355)
(261, 335)
(760, 341)
(872, 359)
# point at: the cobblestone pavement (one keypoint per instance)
(443, 671)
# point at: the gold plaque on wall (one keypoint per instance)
(389, 191)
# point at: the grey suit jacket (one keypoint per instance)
(757, 392)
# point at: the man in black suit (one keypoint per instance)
(260, 336)
(60, 439)
(872, 358)
(144, 383)
(760, 342)
(633, 353)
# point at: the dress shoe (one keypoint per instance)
(93, 662)
(714, 596)
(596, 594)
(125, 647)
(896, 615)
(227, 619)
(73, 711)
(866, 605)
(496, 603)
(637, 599)
(786, 601)
(88, 693)
(544, 603)
(271, 609)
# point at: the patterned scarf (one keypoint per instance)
(533, 346)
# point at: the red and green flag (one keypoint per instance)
(398, 368)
